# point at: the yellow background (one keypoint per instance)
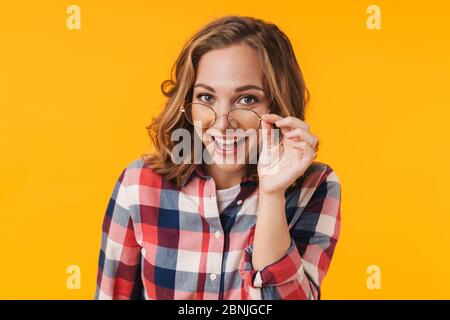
(74, 104)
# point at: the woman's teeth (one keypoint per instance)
(227, 144)
(222, 141)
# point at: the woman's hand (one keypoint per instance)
(281, 163)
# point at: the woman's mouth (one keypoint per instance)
(227, 146)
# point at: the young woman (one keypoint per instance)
(219, 229)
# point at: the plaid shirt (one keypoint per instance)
(164, 242)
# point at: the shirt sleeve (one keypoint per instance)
(118, 275)
(299, 273)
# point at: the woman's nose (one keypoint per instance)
(221, 121)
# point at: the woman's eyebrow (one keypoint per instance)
(248, 87)
(242, 88)
(205, 86)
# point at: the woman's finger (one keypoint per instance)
(266, 131)
(292, 122)
(303, 135)
(285, 124)
(307, 154)
(303, 146)
(283, 130)
(271, 117)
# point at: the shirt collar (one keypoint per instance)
(198, 171)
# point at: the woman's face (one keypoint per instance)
(227, 79)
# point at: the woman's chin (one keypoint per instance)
(231, 168)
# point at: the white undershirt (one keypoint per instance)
(226, 196)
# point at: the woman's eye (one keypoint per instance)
(248, 100)
(205, 97)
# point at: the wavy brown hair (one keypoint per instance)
(283, 80)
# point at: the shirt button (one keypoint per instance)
(213, 276)
(239, 202)
(217, 234)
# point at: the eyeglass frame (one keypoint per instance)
(182, 109)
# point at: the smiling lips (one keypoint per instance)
(229, 145)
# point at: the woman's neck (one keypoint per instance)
(224, 179)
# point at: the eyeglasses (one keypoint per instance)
(203, 116)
